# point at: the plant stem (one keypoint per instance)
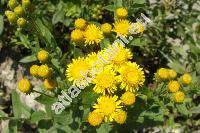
(42, 93)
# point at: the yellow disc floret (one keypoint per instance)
(105, 81)
(186, 79)
(43, 56)
(19, 11)
(34, 70)
(77, 36)
(121, 27)
(107, 106)
(128, 98)
(93, 34)
(95, 118)
(131, 76)
(50, 84)
(106, 28)
(80, 23)
(179, 97)
(162, 73)
(44, 71)
(24, 85)
(120, 116)
(121, 13)
(173, 86)
(137, 28)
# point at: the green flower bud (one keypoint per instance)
(12, 18)
(21, 22)
(12, 4)
(19, 11)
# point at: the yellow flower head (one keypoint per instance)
(106, 28)
(107, 106)
(172, 74)
(137, 28)
(44, 71)
(12, 18)
(34, 70)
(128, 98)
(43, 56)
(121, 27)
(76, 70)
(93, 34)
(173, 86)
(120, 116)
(19, 11)
(162, 73)
(131, 76)
(80, 23)
(95, 118)
(77, 36)
(24, 85)
(105, 81)
(12, 3)
(186, 79)
(21, 22)
(26, 3)
(179, 97)
(121, 13)
(120, 55)
(50, 84)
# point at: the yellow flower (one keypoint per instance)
(24, 85)
(137, 28)
(80, 23)
(179, 97)
(173, 86)
(172, 74)
(21, 22)
(186, 79)
(12, 4)
(43, 56)
(26, 3)
(76, 71)
(162, 73)
(106, 28)
(107, 106)
(77, 36)
(12, 18)
(34, 70)
(121, 27)
(121, 12)
(105, 81)
(120, 55)
(19, 11)
(44, 71)
(93, 34)
(131, 76)
(120, 116)
(50, 84)
(128, 98)
(95, 118)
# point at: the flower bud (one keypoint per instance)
(12, 4)
(26, 3)
(21, 22)
(19, 11)
(12, 18)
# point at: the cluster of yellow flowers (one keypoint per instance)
(17, 12)
(107, 76)
(89, 34)
(42, 71)
(174, 85)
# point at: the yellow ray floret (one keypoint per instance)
(131, 76)
(105, 81)
(107, 106)
(121, 27)
(76, 70)
(93, 34)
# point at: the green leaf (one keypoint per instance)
(89, 97)
(182, 109)
(104, 128)
(3, 114)
(37, 116)
(46, 100)
(12, 126)
(28, 59)
(179, 68)
(59, 14)
(139, 1)
(110, 8)
(105, 43)
(1, 24)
